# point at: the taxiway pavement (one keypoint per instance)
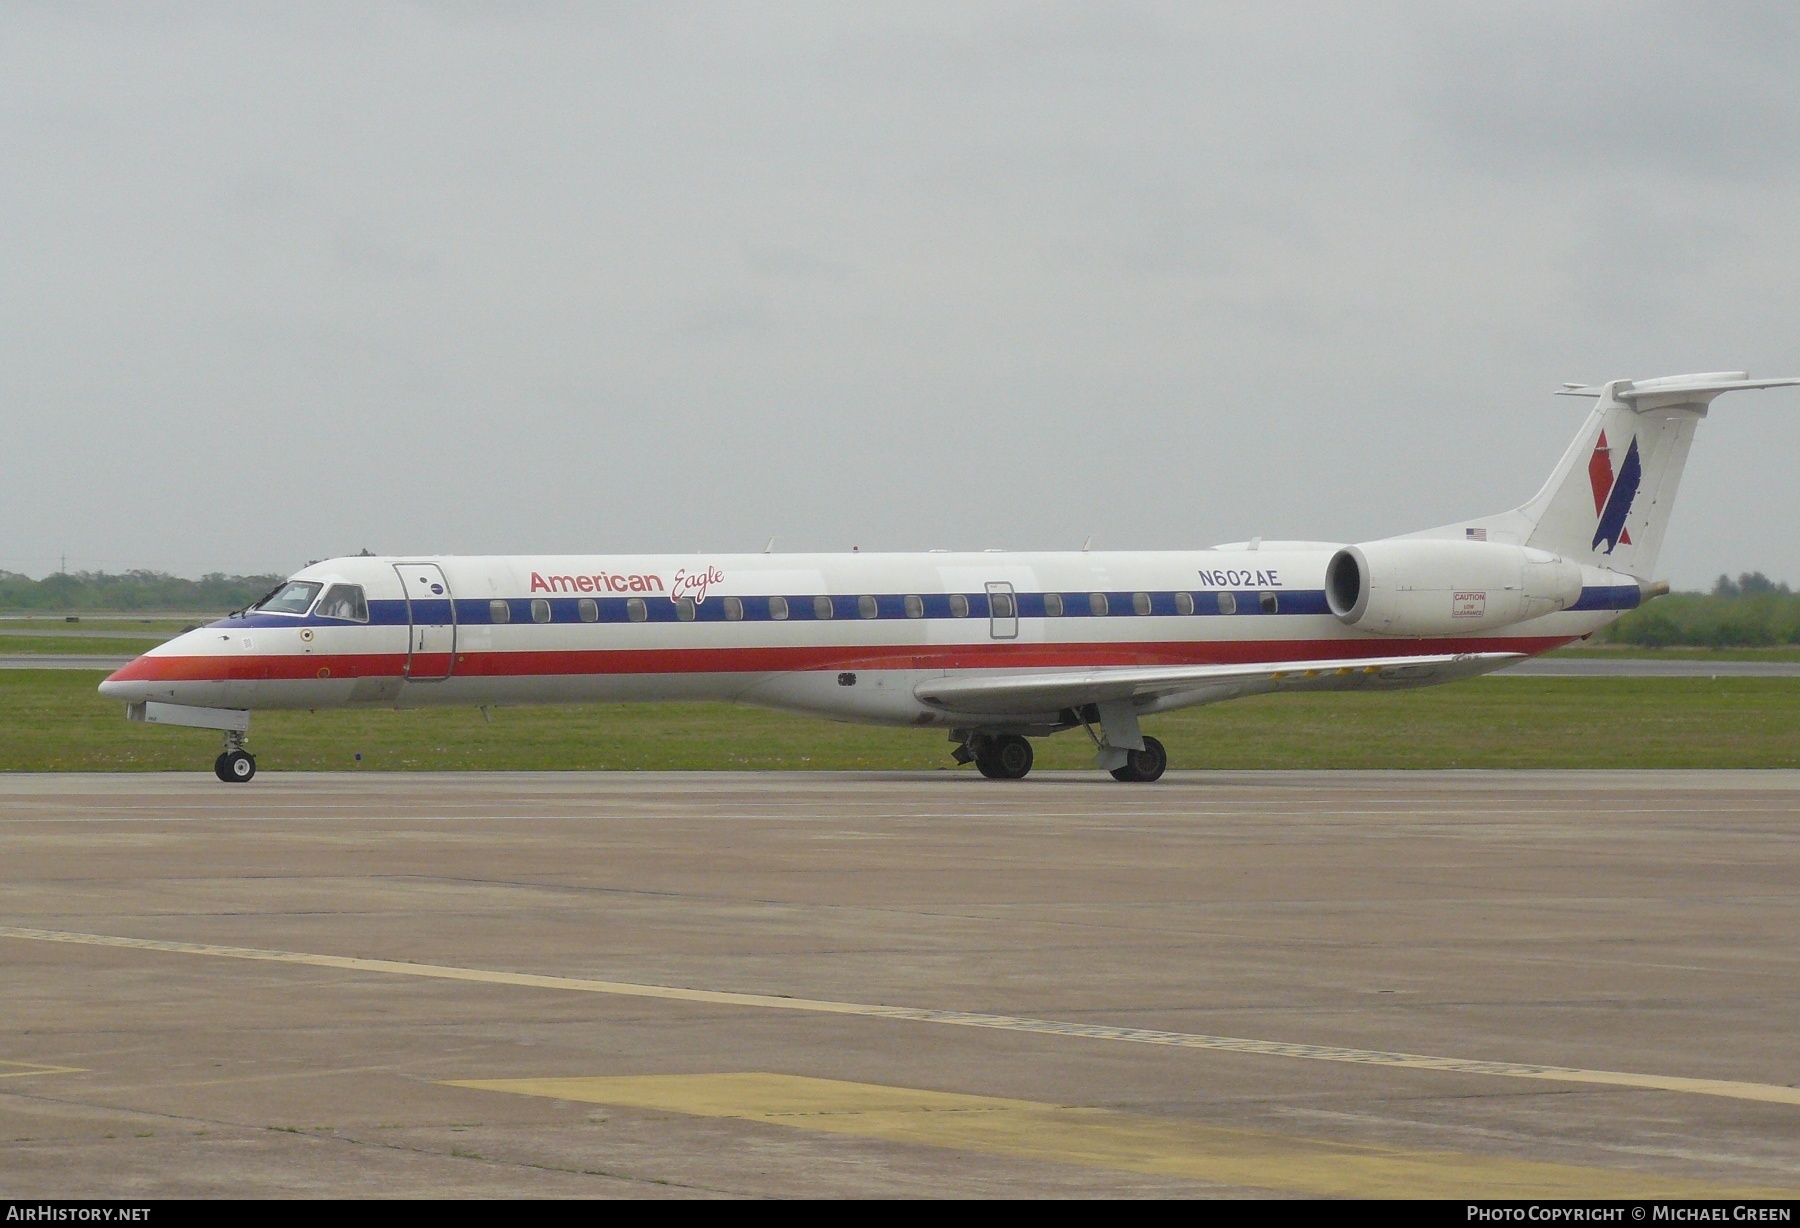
(1461, 983)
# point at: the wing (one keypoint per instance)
(1174, 686)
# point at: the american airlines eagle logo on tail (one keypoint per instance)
(1613, 496)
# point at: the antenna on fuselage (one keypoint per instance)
(771, 545)
(1088, 544)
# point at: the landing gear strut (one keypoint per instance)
(236, 765)
(1143, 766)
(999, 756)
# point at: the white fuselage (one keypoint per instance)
(849, 636)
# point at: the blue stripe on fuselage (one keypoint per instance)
(1609, 597)
(660, 609)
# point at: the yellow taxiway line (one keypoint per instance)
(27, 1069)
(1103, 1138)
(1774, 1093)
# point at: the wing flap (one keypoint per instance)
(1034, 693)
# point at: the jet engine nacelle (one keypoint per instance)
(1434, 586)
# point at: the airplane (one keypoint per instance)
(996, 648)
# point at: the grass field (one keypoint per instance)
(1617, 652)
(53, 720)
(161, 625)
(84, 645)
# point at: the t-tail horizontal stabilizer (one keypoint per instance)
(1687, 388)
(1607, 503)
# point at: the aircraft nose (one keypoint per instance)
(132, 683)
(116, 687)
(165, 664)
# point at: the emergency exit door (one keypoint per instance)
(1003, 611)
(431, 646)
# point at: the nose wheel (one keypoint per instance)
(236, 765)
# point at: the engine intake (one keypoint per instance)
(1433, 586)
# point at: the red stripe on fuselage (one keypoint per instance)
(249, 668)
(788, 660)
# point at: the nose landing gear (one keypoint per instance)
(236, 765)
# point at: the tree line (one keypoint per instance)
(1751, 611)
(134, 592)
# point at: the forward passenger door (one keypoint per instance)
(431, 646)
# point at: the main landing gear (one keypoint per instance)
(1008, 756)
(236, 765)
(998, 756)
(1004, 756)
(1143, 766)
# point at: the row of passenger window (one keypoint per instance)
(1000, 605)
(1099, 604)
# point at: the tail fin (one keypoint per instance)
(1608, 501)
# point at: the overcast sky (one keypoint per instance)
(278, 282)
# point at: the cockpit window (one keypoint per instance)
(344, 601)
(291, 598)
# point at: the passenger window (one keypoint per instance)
(1053, 606)
(1227, 603)
(1271, 603)
(635, 609)
(1097, 604)
(734, 610)
(778, 609)
(684, 609)
(590, 610)
(499, 612)
(866, 607)
(1184, 603)
(959, 605)
(1000, 605)
(344, 601)
(1140, 603)
(540, 610)
(822, 607)
(915, 606)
